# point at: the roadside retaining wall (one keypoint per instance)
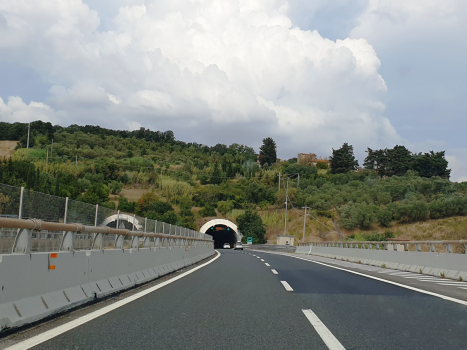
(448, 265)
(30, 290)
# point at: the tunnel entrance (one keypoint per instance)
(222, 234)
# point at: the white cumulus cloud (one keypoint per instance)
(212, 71)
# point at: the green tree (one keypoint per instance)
(384, 217)
(267, 153)
(207, 210)
(216, 177)
(97, 194)
(343, 160)
(125, 206)
(251, 225)
(431, 164)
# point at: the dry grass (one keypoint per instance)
(7, 148)
(314, 231)
(432, 230)
(133, 194)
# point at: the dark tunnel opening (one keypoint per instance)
(222, 234)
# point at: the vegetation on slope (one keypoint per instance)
(184, 182)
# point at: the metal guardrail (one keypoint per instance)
(446, 246)
(21, 203)
(26, 228)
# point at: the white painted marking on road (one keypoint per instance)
(262, 259)
(258, 257)
(459, 284)
(274, 272)
(445, 297)
(287, 286)
(329, 339)
(403, 274)
(267, 264)
(43, 337)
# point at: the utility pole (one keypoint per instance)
(304, 222)
(47, 160)
(29, 130)
(279, 182)
(52, 148)
(298, 181)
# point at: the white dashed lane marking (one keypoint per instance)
(329, 339)
(274, 272)
(262, 259)
(267, 264)
(287, 286)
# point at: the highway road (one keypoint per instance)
(258, 300)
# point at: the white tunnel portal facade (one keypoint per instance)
(222, 231)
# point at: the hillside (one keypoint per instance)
(7, 148)
(154, 175)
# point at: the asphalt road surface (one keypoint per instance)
(238, 302)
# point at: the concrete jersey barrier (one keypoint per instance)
(37, 285)
(431, 263)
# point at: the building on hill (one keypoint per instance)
(310, 159)
(306, 158)
(285, 240)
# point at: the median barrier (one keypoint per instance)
(386, 254)
(37, 285)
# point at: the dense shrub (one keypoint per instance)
(207, 210)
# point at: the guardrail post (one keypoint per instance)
(146, 242)
(20, 209)
(66, 210)
(448, 248)
(68, 237)
(465, 248)
(98, 242)
(145, 223)
(432, 248)
(22, 242)
(68, 240)
(119, 241)
(418, 247)
(95, 216)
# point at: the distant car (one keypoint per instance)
(226, 246)
(238, 246)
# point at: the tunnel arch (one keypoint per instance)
(222, 231)
(125, 221)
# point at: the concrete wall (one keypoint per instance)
(29, 290)
(437, 264)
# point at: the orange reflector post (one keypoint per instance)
(53, 255)
(51, 267)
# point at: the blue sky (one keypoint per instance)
(374, 73)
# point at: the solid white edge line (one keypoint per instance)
(287, 286)
(274, 271)
(329, 339)
(445, 297)
(267, 264)
(52, 333)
